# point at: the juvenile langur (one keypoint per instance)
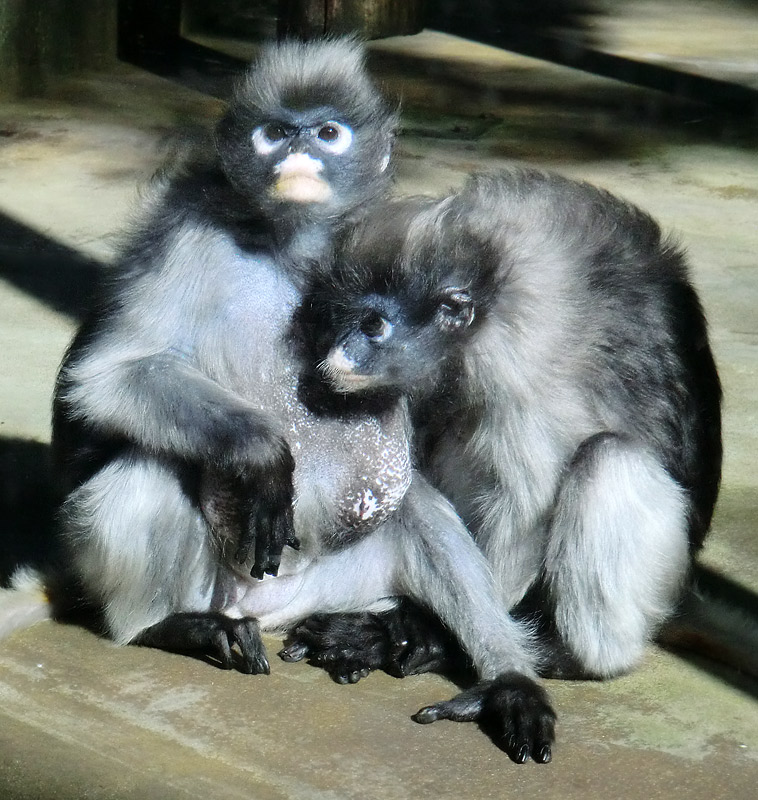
(572, 417)
(181, 403)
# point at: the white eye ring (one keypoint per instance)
(264, 145)
(341, 137)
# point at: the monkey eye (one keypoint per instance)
(274, 132)
(334, 137)
(375, 327)
(267, 138)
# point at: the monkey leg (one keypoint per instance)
(138, 545)
(425, 552)
(444, 569)
(617, 553)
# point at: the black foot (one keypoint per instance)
(404, 641)
(234, 643)
(512, 710)
(560, 664)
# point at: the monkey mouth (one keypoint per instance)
(337, 373)
(301, 188)
(346, 382)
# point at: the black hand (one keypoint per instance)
(266, 521)
(250, 507)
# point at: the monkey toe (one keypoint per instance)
(246, 635)
(296, 651)
(346, 671)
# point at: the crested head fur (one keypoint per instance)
(301, 75)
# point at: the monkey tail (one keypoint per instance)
(715, 624)
(24, 603)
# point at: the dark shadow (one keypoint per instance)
(27, 507)
(57, 275)
(149, 36)
(723, 637)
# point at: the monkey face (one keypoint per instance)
(299, 175)
(306, 134)
(394, 342)
(305, 161)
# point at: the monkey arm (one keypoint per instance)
(163, 404)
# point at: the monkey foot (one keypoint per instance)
(403, 641)
(347, 646)
(513, 710)
(234, 643)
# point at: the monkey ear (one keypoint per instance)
(389, 133)
(456, 310)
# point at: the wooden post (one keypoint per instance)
(371, 19)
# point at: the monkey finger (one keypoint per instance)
(248, 535)
(288, 527)
(268, 543)
(260, 524)
(285, 533)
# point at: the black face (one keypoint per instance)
(318, 161)
(385, 342)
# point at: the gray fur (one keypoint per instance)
(584, 339)
(190, 376)
(572, 419)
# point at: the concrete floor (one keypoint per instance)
(80, 718)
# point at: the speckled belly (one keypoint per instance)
(380, 474)
(353, 472)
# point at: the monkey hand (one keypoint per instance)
(248, 502)
(512, 709)
(266, 519)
